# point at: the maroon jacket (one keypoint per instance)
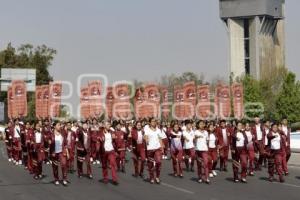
(253, 129)
(234, 140)
(80, 140)
(120, 140)
(134, 139)
(52, 144)
(219, 135)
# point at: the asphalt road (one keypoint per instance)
(16, 183)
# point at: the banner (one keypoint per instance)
(152, 97)
(178, 107)
(204, 105)
(122, 106)
(222, 101)
(109, 102)
(139, 100)
(95, 100)
(190, 99)
(238, 100)
(84, 103)
(19, 92)
(45, 101)
(38, 102)
(54, 102)
(10, 100)
(165, 106)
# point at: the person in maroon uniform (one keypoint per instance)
(9, 141)
(138, 147)
(224, 137)
(37, 149)
(109, 154)
(17, 134)
(176, 149)
(251, 148)
(59, 153)
(29, 131)
(83, 144)
(95, 144)
(46, 130)
(120, 144)
(259, 133)
(287, 152)
(240, 152)
(71, 143)
(276, 140)
(213, 145)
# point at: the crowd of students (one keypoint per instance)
(191, 145)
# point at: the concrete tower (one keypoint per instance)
(256, 35)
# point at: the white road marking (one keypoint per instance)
(177, 188)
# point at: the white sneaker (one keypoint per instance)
(20, 162)
(211, 175)
(56, 183)
(98, 162)
(214, 173)
(91, 159)
(9, 160)
(65, 182)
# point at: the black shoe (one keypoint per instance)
(115, 182)
(135, 175)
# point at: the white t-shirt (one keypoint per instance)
(190, 137)
(58, 143)
(266, 136)
(176, 141)
(240, 140)
(154, 137)
(139, 137)
(85, 140)
(275, 142)
(17, 132)
(224, 134)
(249, 136)
(108, 146)
(38, 137)
(163, 134)
(212, 141)
(258, 132)
(201, 142)
(285, 130)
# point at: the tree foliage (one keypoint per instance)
(28, 56)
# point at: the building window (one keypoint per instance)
(247, 45)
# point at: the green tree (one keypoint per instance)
(28, 56)
(288, 101)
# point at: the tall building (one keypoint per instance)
(256, 35)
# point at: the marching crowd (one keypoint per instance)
(191, 145)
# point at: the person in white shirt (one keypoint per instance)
(109, 154)
(176, 149)
(276, 142)
(17, 132)
(239, 153)
(188, 146)
(259, 135)
(138, 149)
(155, 146)
(251, 148)
(201, 147)
(59, 153)
(38, 155)
(213, 145)
(287, 153)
